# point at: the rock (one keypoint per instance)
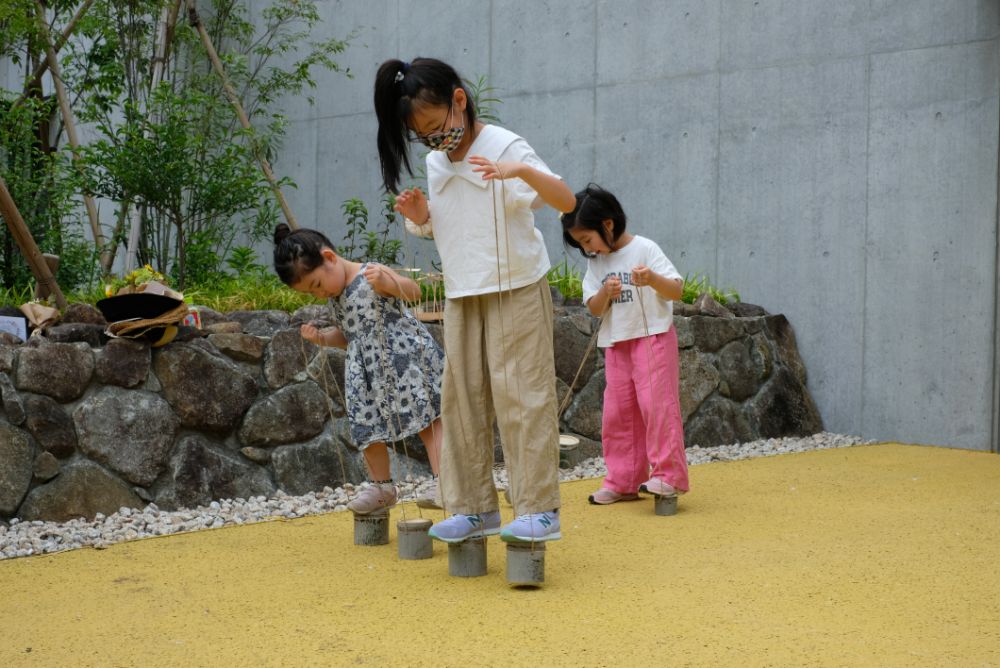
(46, 467)
(8, 339)
(8, 352)
(188, 333)
(210, 316)
(737, 372)
(260, 456)
(562, 396)
(201, 471)
(83, 313)
(707, 306)
(685, 310)
(698, 379)
(58, 370)
(261, 323)
(129, 431)
(744, 310)
(718, 421)
(123, 362)
(327, 369)
(206, 391)
(241, 347)
(685, 337)
(784, 341)
(763, 359)
(287, 356)
(585, 412)
(585, 323)
(16, 464)
(227, 327)
(323, 462)
(83, 489)
(318, 314)
(784, 407)
(710, 334)
(570, 348)
(13, 406)
(293, 413)
(50, 425)
(74, 332)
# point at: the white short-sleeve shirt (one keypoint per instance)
(477, 221)
(625, 321)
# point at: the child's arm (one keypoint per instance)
(388, 283)
(668, 288)
(413, 205)
(551, 189)
(329, 336)
(601, 301)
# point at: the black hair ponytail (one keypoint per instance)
(594, 205)
(398, 86)
(298, 252)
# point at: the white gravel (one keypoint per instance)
(21, 539)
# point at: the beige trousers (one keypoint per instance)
(499, 364)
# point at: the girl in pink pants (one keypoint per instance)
(631, 284)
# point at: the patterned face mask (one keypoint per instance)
(444, 141)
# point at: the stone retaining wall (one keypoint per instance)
(246, 407)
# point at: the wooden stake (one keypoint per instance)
(28, 246)
(206, 41)
(67, 115)
(36, 77)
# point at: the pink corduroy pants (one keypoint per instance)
(642, 431)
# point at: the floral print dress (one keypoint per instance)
(393, 368)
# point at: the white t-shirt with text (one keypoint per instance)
(625, 320)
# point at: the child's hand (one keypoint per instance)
(311, 333)
(380, 278)
(495, 170)
(413, 204)
(613, 287)
(642, 275)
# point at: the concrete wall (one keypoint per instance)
(833, 161)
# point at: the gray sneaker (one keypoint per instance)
(374, 498)
(459, 527)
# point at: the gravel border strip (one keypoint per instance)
(22, 539)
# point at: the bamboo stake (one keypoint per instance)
(36, 77)
(196, 23)
(165, 27)
(22, 236)
(70, 123)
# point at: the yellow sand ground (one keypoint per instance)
(883, 555)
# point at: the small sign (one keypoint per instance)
(192, 319)
(14, 325)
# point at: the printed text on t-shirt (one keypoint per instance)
(626, 293)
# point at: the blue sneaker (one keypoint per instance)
(532, 528)
(458, 527)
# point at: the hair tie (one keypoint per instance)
(402, 72)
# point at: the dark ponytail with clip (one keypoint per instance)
(399, 87)
(298, 252)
